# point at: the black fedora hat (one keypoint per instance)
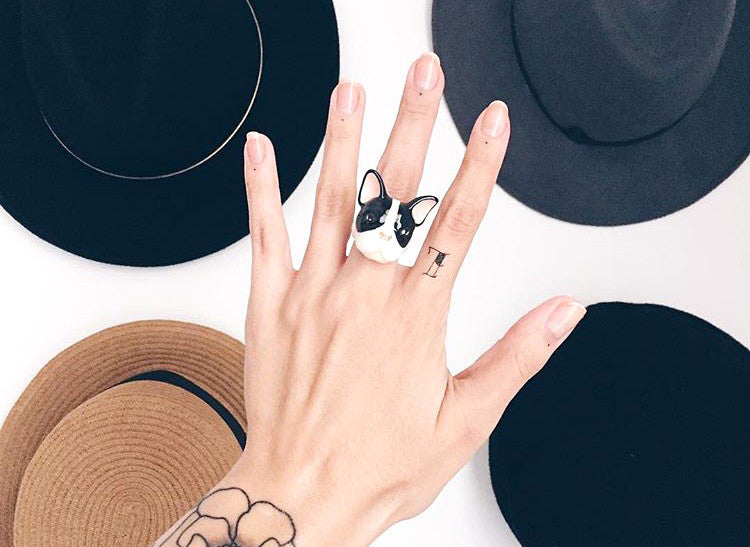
(624, 111)
(635, 433)
(122, 123)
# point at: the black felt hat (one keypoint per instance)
(122, 123)
(623, 111)
(635, 433)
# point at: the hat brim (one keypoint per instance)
(206, 364)
(182, 217)
(634, 433)
(589, 183)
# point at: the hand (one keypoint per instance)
(354, 420)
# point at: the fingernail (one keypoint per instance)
(426, 71)
(347, 97)
(563, 319)
(256, 148)
(495, 119)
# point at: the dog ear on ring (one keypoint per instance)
(420, 207)
(372, 187)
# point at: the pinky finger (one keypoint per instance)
(270, 242)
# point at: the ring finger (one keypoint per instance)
(402, 162)
(403, 159)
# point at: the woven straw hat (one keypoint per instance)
(119, 435)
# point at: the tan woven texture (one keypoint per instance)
(87, 462)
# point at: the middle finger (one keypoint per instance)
(403, 159)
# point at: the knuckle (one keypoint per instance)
(462, 215)
(340, 130)
(526, 360)
(481, 160)
(261, 238)
(416, 109)
(400, 177)
(332, 197)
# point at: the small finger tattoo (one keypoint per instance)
(438, 260)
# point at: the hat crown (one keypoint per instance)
(619, 71)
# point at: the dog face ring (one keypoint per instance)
(384, 226)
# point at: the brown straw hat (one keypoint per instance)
(119, 435)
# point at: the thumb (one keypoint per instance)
(481, 393)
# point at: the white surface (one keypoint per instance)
(697, 260)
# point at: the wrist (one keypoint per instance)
(322, 513)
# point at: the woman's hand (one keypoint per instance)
(354, 420)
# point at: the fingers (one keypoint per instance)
(480, 394)
(271, 256)
(403, 159)
(335, 197)
(465, 202)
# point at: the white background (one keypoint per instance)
(697, 259)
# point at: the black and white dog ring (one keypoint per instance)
(384, 225)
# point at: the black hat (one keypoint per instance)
(623, 111)
(635, 433)
(122, 123)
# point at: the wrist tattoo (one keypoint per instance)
(437, 262)
(227, 518)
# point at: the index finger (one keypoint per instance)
(465, 202)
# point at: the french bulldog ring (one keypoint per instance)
(384, 226)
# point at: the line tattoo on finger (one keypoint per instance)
(438, 261)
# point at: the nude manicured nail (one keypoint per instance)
(256, 148)
(347, 97)
(495, 119)
(426, 71)
(563, 319)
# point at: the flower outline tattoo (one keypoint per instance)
(227, 518)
